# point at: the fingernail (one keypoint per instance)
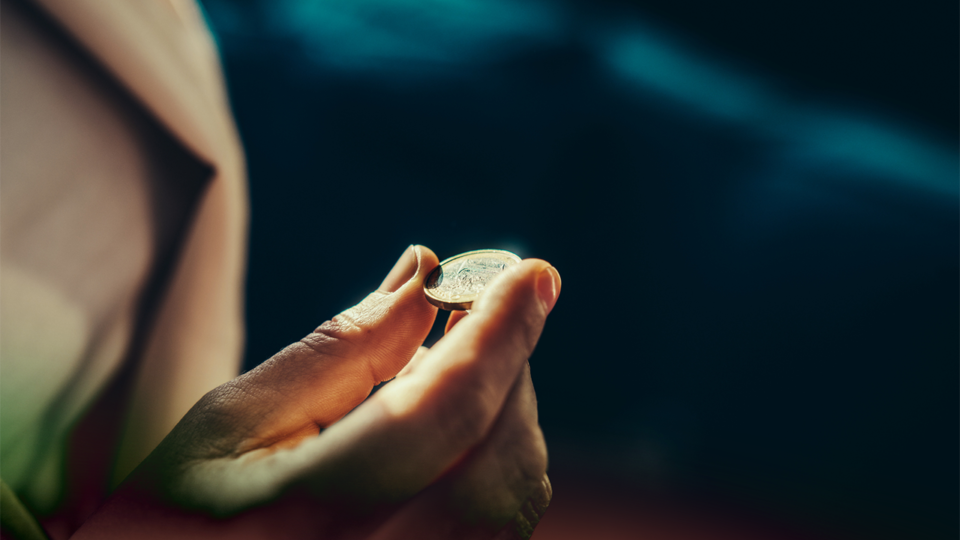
(405, 269)
(548, 287)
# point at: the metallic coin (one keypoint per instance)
(459, 280)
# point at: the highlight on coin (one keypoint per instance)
(458, 281)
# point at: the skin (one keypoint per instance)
(451, 448)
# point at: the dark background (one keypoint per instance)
(753, 206)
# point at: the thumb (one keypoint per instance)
(314, 382)
(417, 427)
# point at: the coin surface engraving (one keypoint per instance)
(459, 280)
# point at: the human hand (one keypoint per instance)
(450, 449)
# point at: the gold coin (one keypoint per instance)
(459, 280)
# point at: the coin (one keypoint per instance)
(459, 280)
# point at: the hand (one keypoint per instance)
(449, 449)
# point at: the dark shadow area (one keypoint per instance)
(753, 209)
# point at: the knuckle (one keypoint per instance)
(349, 326)
(221, 399)
(326, 338)
(213, 427)
(226, 404)
(533, 465)
(531, 486)
(532, 510)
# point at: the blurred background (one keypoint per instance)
(753, 205)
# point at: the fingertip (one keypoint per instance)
(413, 266)
(548, 287)
(410, 293)
(403, 270)
(408, 301)
(532, 282)
(426, 261)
